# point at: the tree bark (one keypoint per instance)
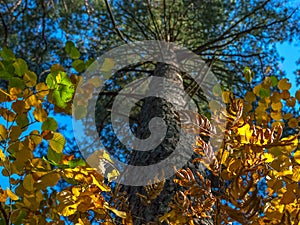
(157, 107)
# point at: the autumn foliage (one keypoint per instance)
(253, 176)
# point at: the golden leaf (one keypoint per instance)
(268, 157)
(40, 114)
(41, 90)
(28, 182)
(283, 84)
(296, 173)
(297, 156)
(250, 97)
(102, 186)
(2, 156)
(3, 132)
(115, 211)
(70, 209)
(293, 123)
(12, 195)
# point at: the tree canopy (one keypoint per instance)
(47, 47)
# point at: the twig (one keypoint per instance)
(112, 18)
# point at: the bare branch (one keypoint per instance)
(112, 18)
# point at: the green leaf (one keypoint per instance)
(28, 182)
(49, 124)
(30, 78)
(274, 81)
(217, 91)
(20, 67)
(63, 79)
(7, 54)
(78, 65)
(54, 157)
(264, 93)
(22, 120)
(57, 99)
(16, 82)
(248, 74)
(75, 54)
(63, 88)
(57, 142)
(66, 93)
(71, 50)
(76, 162)
(48, 180)
(5, 75)
(51, 81)
(69, 46)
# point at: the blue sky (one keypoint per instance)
(291, 54)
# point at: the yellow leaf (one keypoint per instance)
(7, 114)
(297, 95)
(256, 89)
(297, 156)
(70, 209)
(225, 155)
(2, 156)
(290, 102)
(112, 175)
(102, 186)
(12, 195)
(250, 97)
(284, 84)
(57, 142)
(288, 197)
(41, 90)
(268, 157)
(58, 78)
(115, 211)
(285, 94)
(40, 114)
(3, 195)
(284, 173)
(296, 173)
(293, 143)
(293, 123)
(48, 180)
(287, 116)
(80, 222)
(245, 133)
(3, 133)
(276, 97)
(276, 106)
(28, 182)
(227, 96)
(276, 115)
(32, 101)
(76, 191)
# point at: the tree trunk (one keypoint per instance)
(149, 212)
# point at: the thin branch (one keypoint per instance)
(5, 216)
(5, 30)
(158, 31)
(229, 30)
(112, 18)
